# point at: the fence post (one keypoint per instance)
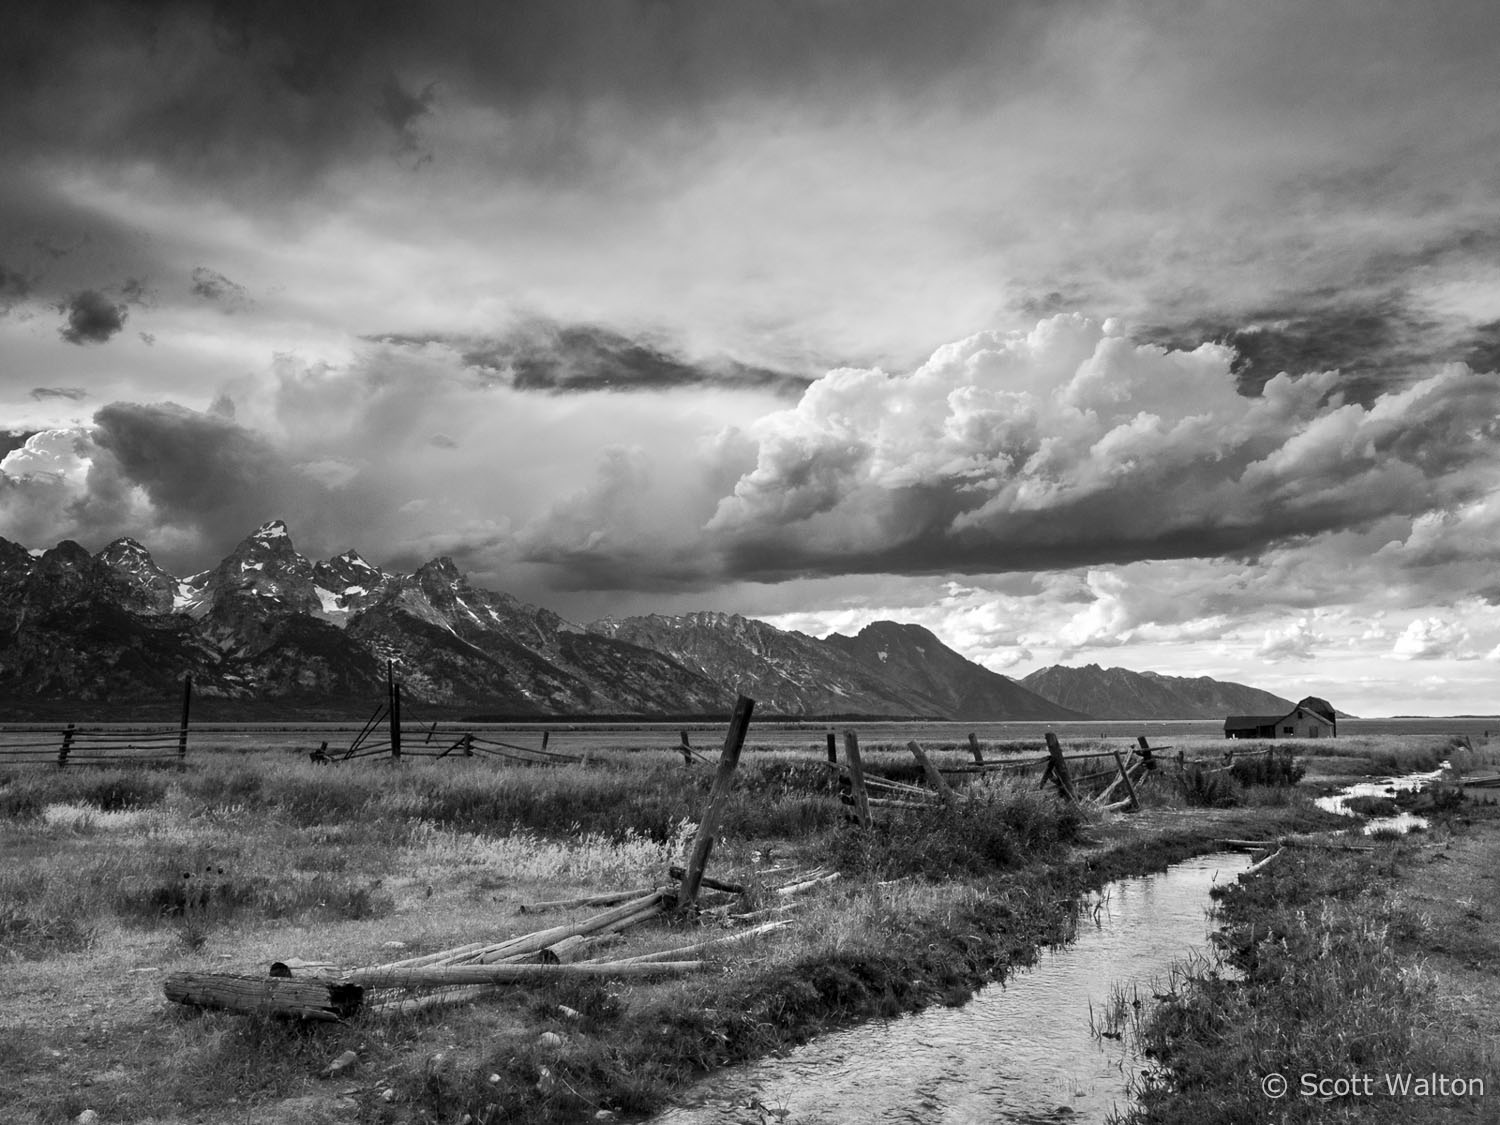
(182, 730)
(856, 778)
(685, 748)
(395, 691)
(67, 744)
(974, 749)
(1060, 767)
(718, 796)
(1125, 776)
(934, 777)
(546, 734)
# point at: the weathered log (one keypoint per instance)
(700, 947)
(1129, 785)
(806, 884)
(305, 998)
(934, 778)
(590, 900)
(405, 1005)
(432, 976)
(679, 874)
(1254, 867)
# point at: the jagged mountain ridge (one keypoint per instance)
(267, 623)
(1119, 693)
(888, 669)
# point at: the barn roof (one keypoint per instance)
(1321, 706)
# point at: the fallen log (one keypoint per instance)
(637, 910)
(679, 873)
(433, 976)
(305, 998)
(702, 946)
(590, 900)
(1254, 867)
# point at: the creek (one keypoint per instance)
(1402, 822)
(1022, 1051)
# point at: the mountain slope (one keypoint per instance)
(268, 623)
(1119, 693)
(914, 657)
(787, 673)
(888, 669)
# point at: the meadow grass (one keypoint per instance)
(1315, 974)
(118, 876)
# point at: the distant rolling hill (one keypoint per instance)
(1119, 693)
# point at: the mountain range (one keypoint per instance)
(267, 626)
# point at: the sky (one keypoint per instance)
(1160, 334)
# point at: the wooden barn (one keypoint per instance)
(1311, 718)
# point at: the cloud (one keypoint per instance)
(1296, 640)
(1431, 638)
(43, 393)
(15, 287)
(1071, 445)
(92, 318)
(214, 286)
(542, 355)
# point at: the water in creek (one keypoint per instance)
(1020, 1052)
(1402, 822)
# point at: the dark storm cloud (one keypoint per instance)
(544, 356)
(214, 286)
(293, 86)
(1483, 347)
(74, 393)
(1374, 343)
(92, 318)
(15, 287)
(198, 470)
(402, 110)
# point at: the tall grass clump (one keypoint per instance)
(1307, 981)
(998, 825)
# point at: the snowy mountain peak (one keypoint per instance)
(272, 529)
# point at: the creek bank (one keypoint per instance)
(1346, 966)
(630, 1057)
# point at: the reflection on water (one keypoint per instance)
(1402, 822)
(1021, 1052)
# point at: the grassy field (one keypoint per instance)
(116, 878)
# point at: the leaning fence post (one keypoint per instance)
(182, 731)
(934, 778)
(1125, 775)
(1059, 767)
(974, 749)
(718, 797)
(67, 744)
(685, 748)
(395, 691)
(856, 779)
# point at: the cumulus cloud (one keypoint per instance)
(92, 318)
(1072, 445)
(1431, 638)
(1296, 640)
